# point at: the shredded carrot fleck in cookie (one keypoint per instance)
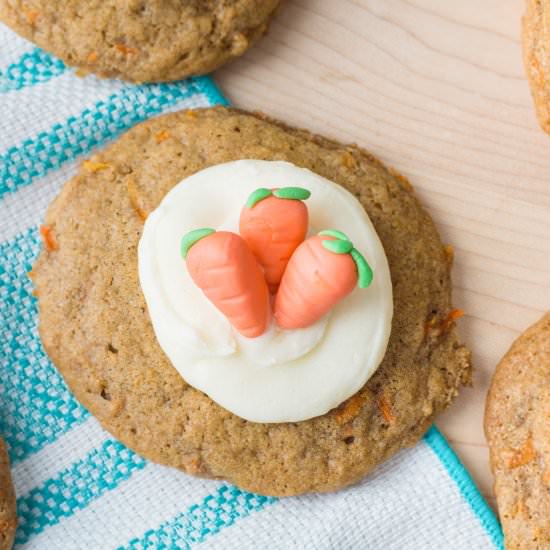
(50, 244)
(190, 113)
(546, 477)
(134, 199)
(451, 318)
(162, 135)
(31, 15)
(92, 57)
(434, 327)
(35, 292)
(93, 166)
(348, 160)
(350, 408)
(525, 454)
(385, 409)
(126, 50)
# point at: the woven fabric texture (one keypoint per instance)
(76, 486)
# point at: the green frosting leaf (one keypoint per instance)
(338, 246)
(364, 270)
(342, 245)
(335, 233)
(257, 196)
(193, 237)
(292, 193)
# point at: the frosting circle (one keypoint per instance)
(281, 376)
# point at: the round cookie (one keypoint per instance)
(95, 326)
(536, 54)
(138, 40)
(517, 426)
(8, 519)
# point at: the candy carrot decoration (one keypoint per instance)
(224, 268)
(323, 270)
(274, 223)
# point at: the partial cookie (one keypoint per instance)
(536, 54)
(138, 40)
(517, 425)
(95, 326)
(8, 520)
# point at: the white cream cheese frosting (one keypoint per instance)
(281, 376)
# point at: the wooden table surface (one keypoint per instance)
(437, 90)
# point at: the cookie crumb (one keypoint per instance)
(348, 160)
(435, 327)
(192, 466)
(239, 44)
(405, 183)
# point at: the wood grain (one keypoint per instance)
(437, 90)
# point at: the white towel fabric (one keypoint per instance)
(76, 486)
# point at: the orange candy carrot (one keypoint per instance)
(323, 270)
(224, 268)
(274, 223)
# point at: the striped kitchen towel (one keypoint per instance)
(76, 486)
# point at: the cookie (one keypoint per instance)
(95, 326)
(8, 520)
(517, 426)
(153, 41)
(536, 54)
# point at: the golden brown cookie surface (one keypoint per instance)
(8, 520)
(536, 54)
(517, 425)
(138, 40)
(95, 326)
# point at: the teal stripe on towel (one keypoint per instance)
(36, 406)
(31, 68)
(37, 156)
(458, 473)
(75, 488)
(216, 512)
